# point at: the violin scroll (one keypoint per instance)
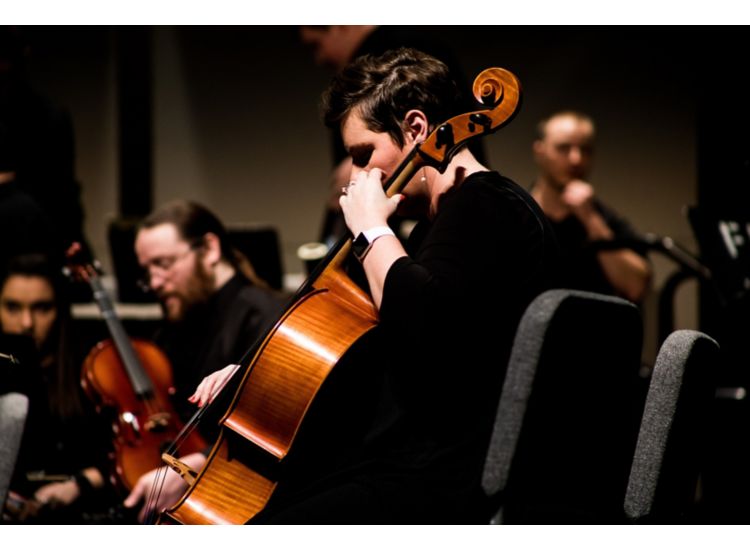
(134, 378)
(79, 267)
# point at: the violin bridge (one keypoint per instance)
(186, 473)
(158, 422)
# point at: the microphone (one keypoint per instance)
(668, 247)
(8, 357)
(658, 243)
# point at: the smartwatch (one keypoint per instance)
(363, 243)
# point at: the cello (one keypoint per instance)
(133, 377)
(329, 313)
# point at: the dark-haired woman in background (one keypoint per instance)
(61, 469)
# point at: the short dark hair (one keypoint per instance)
(384, 88)
(541, 127)
(193, 221)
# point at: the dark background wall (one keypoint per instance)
(235, 124)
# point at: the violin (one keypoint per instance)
(327, 315)
(133, 377)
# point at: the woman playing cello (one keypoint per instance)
(449, 303)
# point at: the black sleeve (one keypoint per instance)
(483, 247)
(622, 229)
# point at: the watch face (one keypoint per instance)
(360, 245)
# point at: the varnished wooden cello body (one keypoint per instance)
(329, 313)
(133, 377)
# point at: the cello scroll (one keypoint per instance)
(496, 88)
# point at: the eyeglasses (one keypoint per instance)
(161, 266)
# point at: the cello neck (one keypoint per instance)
(339, 252)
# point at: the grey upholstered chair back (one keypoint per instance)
(568, 416)
(13, 410)
(674, 429)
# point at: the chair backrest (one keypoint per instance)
(674, 429)
(567, 418)
(260, 244)
(13, 410)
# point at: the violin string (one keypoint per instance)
(119, 336)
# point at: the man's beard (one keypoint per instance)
(200, 287)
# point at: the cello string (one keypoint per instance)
(194, 421)
(151, 401)
(154, 494)
(157, 486)
(409, 166)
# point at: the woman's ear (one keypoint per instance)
(416, 127)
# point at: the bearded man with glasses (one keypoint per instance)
(213, 311)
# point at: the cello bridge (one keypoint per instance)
(185, 471)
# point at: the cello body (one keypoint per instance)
(283, 374)
(286, 373)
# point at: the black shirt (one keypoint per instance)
(579, 267)
(55, 446)
(215, 335)
(435, 364)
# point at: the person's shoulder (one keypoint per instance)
(492, 182)
(490, 177)
(607, 211)
(500, 196)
